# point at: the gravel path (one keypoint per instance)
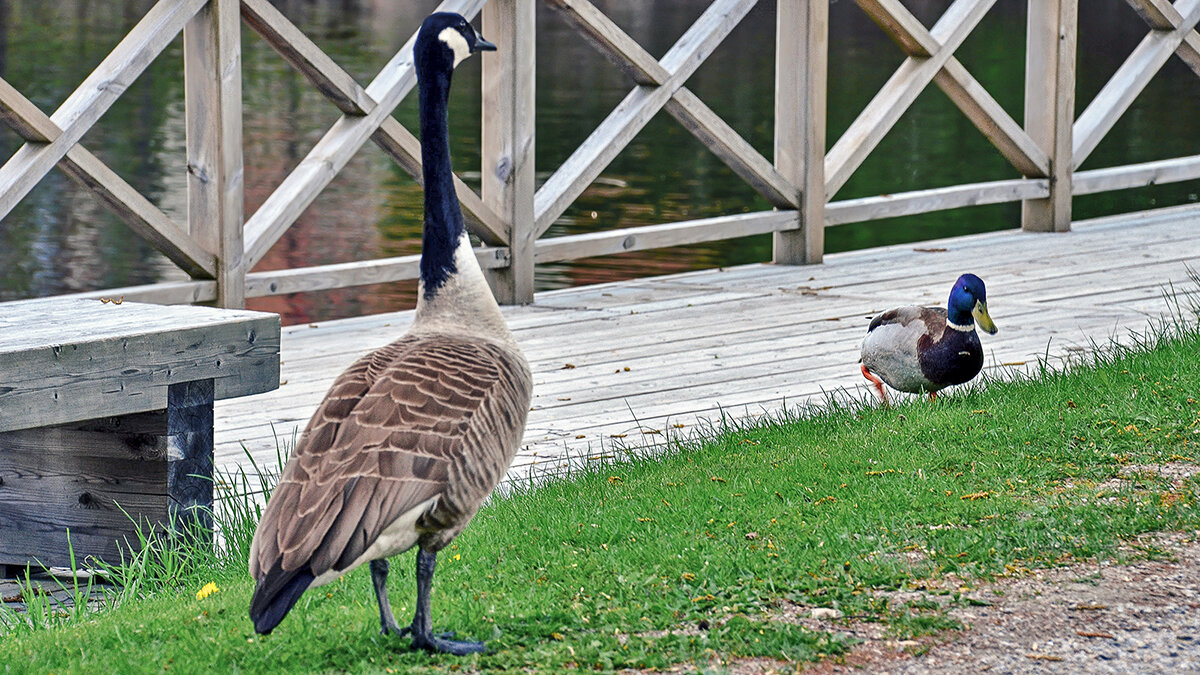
(1108, 618)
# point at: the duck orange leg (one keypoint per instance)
(932, 396)
(878, 384)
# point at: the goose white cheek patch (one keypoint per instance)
(457, 44)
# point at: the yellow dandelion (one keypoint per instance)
(208, 590)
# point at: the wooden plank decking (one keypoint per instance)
(658, 355)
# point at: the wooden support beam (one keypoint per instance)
(142, 216)
(1130, 79)
(212, 59)
(349, 97)
(1050, 106)
(508, 140)
(964, 90)
(330, 155)
(801, 64)
(909, 80)
(94, 96)
(190, 460)
(638, 107)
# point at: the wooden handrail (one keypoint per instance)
(217, 246)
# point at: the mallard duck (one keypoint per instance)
(926, 349)
(414, 436)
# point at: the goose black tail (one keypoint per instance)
(277, 591)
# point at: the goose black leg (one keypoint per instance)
(379, 573)
(422, 625)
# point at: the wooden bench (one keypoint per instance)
(106, 418)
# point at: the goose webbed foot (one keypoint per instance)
(444, 645)
(422, 633)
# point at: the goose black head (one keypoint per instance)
(968, 302)
(445, 40)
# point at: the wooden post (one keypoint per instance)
(1050, 107)
(508, 140)
(801, 54)
(190, 459)
(212, 56)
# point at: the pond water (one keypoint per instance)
(61, 240)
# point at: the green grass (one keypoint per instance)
(690, 557)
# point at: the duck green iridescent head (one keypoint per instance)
(968, 304)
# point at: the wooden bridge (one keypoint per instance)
(743, 347)
(631, 364)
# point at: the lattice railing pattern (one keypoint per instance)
(216, 246)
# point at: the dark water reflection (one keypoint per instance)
(60, 240)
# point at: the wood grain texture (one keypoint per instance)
(64, 360)
(1050, 106)
(509, 105)
(801, 65)
(47, 485)
(212, 60)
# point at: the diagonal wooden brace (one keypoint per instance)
(1162, 15)
(635, 111)
(964, 90)
(331, 154)
(624, 52)
(909, 80)
(94, 96)
(139, 213)
(352, 99)
(1132, 77)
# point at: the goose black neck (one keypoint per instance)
(443, 216)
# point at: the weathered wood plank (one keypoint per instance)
(662, 236)
(82, 359)
(925, 201)
(1051, 31)
(212, 68)
(684, 106)
(94, 96)
(632, 114)
(508, 141)
(360, 273)
(1137, 175)
(1162, 15)
(48, 485)
(1130, 79)
(330, 154)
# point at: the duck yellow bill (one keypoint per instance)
(982, 317)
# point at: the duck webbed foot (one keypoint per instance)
(878, 384)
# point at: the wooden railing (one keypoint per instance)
(216, 247)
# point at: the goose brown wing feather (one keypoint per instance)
(392, 432)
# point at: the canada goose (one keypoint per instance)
(911, 349)
(412, 438)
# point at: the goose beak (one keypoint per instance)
(983, 318)
(482, 45)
